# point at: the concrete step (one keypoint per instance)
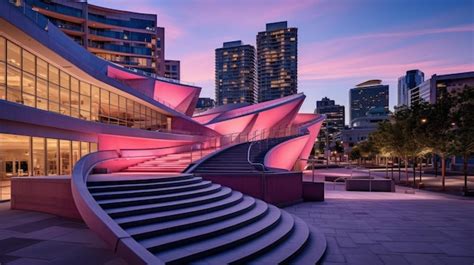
(162, 242)
(287, 248)
(263, 244)
(157, 169)
(135, 201)
(152, 179)
(150, 208)
(173, 214)
(193, 222)
(150, 192)
(313, 250)
(199, 249)
(144, 186)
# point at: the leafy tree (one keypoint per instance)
(438, 129)
(463, 120)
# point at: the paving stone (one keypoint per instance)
(411, 247)
(47, 250)
(388, 259)
(13, 243)
(28, 261)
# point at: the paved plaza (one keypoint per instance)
(31, 238)
(393, 228)
(360, 227)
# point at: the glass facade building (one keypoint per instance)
(407, 82)
(366, 96)
(30, 80)
(127, 38)
(277, 61)
(235, 74)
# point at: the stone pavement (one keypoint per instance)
(393, 228)
(33, 238)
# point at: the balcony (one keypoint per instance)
(121, 49)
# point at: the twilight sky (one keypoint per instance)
(341, 42)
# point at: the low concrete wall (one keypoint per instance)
(282, 188)
(384, 185)
(44, 194)
(313, 191)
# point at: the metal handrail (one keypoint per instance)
(254, 163)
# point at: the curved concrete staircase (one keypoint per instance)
(185, 219)
(235, 158)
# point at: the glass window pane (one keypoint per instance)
(52, 156)
(104, 105)
(84, 148)
(64, 80)
(85, 107)
(42, 68)
(14, 156)
(85, 88)
(94, 147)
(41, 94)
(29, 83)
(53, 75)
(76, 152)
(3, 46)
(29, 100)
(53, 98)
(65, 157)
(3, 72)
(74, 84)
(13, 54)
(28, 62)
(3, 92)
(95, 103)
(39, 156)
(75, 104)
(14, 85)
(65, 101)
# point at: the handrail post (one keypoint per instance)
(191, 155)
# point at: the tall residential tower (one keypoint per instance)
(126, 38)
(277, 60)
(235, 73)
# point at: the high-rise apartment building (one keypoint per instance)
(334, 122)
(366, 96)
(407, 82)
(334, 113)
(277, 61)
(173, 69)
(235, 73)
(126, 38)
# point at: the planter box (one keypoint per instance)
(383, 185)
(313, 191)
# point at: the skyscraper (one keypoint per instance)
(130, 39)
(368, 95)
(334, 122)
(412, 79)
(334, 113)
(235, 73)
(277, 60)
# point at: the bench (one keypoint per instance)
(382, 185)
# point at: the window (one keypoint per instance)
(39, 158)
(29, 63)
(52, 156)
(65, 157)
(13, 54)
(14, 85)
(2, 49)
(53, 92)
(29, 89)
(41, 94)
(53, 75)
(42, 69)
(3, 73)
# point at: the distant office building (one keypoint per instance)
(172, 69)
(334, 122)
(366, 96)
(126, 38)
(412, 79)
(236, 80)
(429, 90)
(277, 61)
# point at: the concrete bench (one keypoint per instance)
(383, 185)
